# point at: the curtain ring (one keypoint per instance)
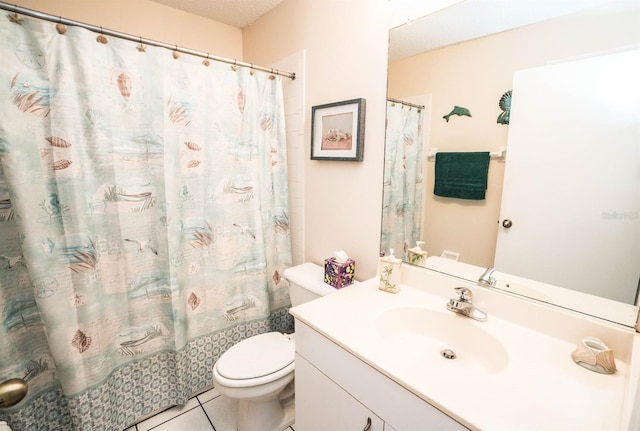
(206, 61)
(234, 66)
(15, 18)
(101, 38)
(141, 47)
(252, 70)
(62, 29)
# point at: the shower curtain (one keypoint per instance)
(402, 196)
(143, 222)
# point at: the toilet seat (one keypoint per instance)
(260, 358)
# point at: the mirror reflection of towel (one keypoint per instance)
(461, 175)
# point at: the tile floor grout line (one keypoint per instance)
(206, 414)
(154, 415)
(135, 425)
(171, 418)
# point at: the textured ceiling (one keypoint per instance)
(236, 13)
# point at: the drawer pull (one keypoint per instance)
(367, 427)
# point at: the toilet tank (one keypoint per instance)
(306, 283)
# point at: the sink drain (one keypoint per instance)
(448, 354)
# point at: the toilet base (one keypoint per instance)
(265, 415)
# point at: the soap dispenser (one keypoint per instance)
(416, 255)
(389, 273)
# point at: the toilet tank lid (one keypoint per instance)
(311, 277)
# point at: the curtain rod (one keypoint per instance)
(405, 103)
(96, 29)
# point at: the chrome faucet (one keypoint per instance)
(463, 305)
(487, 279)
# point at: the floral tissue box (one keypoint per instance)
(339, 274)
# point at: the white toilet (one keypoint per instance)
(258, 371)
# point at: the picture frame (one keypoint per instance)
(337, 131)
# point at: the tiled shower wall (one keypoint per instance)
(294, 110)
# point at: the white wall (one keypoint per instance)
(345, 44)
(294, 110)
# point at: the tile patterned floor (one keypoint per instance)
(208, 411)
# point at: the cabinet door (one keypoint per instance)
(322, 405)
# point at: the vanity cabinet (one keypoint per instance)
(323, 405)
(335, 390)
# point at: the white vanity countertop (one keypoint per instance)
(537, 386)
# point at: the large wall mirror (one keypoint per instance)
(571, 148)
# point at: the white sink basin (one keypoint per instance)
(419, 336)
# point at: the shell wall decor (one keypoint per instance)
(505, 105)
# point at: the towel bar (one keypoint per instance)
(499, 155)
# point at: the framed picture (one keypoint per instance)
(337, 131)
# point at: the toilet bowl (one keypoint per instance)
(255, 372)
(259, 370)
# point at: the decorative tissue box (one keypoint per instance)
(339, 274)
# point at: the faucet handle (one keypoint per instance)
(465, 294)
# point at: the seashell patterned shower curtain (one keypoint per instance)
(143, 223)
(403, 181)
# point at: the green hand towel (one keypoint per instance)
(461, 175)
